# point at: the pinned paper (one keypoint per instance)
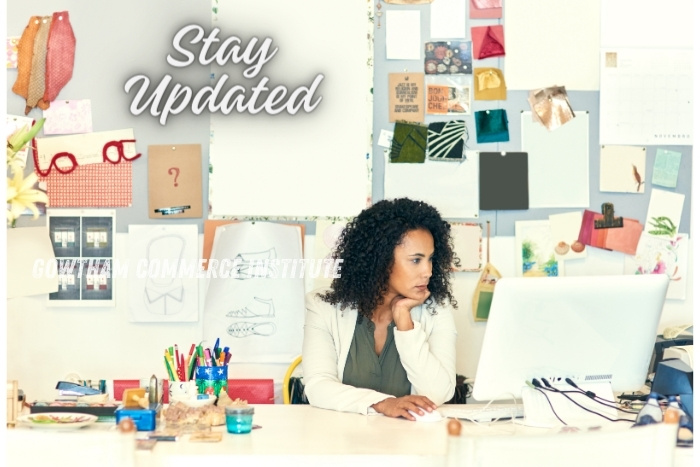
(14, 123)
(535, 255)
(25, 247)
(467, 246)
(666, 167)
(489, 84)
(65, 153)
(488, 41)
(406, 99)
(564, 231)
(664, 213)
(409, 143)
(402, 35)
(448, 95)
(447, 18)
(622, 169)
(623, 239)
(503, 181)
(448, 57)
(175, 181)
(12, 51)
(491, 126)
(68, 117)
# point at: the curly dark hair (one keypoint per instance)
(366, 246)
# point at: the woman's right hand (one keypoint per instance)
(399, 406)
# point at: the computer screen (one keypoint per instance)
(596, 330)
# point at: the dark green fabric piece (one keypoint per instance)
(364, 369)
(409, 143)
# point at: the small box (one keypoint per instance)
(144, 419)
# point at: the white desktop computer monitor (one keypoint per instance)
(598, 331)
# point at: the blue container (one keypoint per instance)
(144, 419)
(239, 420)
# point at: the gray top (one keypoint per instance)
(364, 369)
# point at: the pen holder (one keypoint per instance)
(211, 379)
(182, 390)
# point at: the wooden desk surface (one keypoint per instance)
(292, 435)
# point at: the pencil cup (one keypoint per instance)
(182, 390)
(212, 379)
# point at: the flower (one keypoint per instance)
(21, 194)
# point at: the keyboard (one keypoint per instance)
(480, 413)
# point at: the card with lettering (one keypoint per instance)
(448, 95)
(66, 117)
(175, 181)
(406, 97)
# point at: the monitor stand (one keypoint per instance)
(539, 413)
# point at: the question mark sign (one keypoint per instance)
(177, 173)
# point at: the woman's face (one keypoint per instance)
(413, 265)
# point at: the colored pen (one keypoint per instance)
(167, 366)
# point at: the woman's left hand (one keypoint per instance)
(401, 310)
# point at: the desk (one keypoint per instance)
(291, 435)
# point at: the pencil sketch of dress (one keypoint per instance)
(164, 293)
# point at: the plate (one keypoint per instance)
(57, 420)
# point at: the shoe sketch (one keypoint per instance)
(245, 329)
(259, 308)
(250, 265)
(164, 294)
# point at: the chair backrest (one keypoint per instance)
(255, 391)
(285, 383)
(649, 445)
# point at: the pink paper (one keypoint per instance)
(12, 51)
(66, 117)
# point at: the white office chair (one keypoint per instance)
(650, 445)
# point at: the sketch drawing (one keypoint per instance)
(245, 329)
(258, 307)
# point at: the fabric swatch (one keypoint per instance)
(491, 126)
(454, 57)
(503, 181)
(409, 143)
(446, 140)
(489, 84)
(93, 185)
(623, 239)
(489, 41)
(485, 9)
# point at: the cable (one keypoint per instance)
(538, 387)
(563, 393)
(601, 400)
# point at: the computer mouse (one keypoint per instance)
(433, 416)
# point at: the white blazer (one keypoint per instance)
(427, 352)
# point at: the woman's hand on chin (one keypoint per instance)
(401, 309)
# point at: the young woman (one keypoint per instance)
(379, 340)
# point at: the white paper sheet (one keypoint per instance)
(564, 230)
(550, 42)
(623, 169)
(662, 255)
(646, 96)
(306, 164)
(29, 256)
(664, 204)
(558, 162)
(260, 311)
(163, 273)
(403, 35)
(646, 23)
(451, 187)
(448, 19)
